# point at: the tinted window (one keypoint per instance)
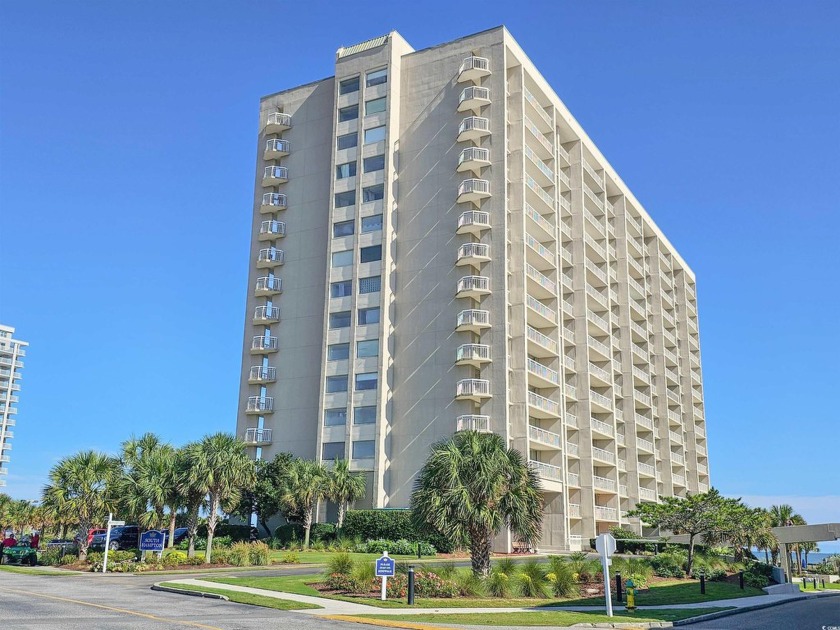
(375, 163)
(335, 417)
(377, 77)
(343, 228)
(366, 381)
(342, 259)
(367, 348)
(348, 113)
(363, 449)
(345, 170)
(370, 285)
(368, 316)
(348, 86)
(348, 141)
(375, 106)
(364, 415)
(344, 199)
(373, 193)
(377, 134)
(372, 223)
(341, 289)
(336, 384)
(332, 450)
(338, 352)
(340, 320)
(370, 254)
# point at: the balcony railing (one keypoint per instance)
(474, 353)
(603, 455)
(646, 494)
(605, 513)
(264, 344)
(573, 479)
(256, 437)
(272, 202)
(473, 190)
(473, 423)
(473, 253)
(272, 229)
(278, 121)
(266, 314)
(275, 148)
(541, 279)
(473, 97)
(600, 399)
(679, 480)
(473, 319)
(473, 221)
(600, 373)
(574, 510)
(538, 135)
(542, 309)
(259, 404)
(538, 108)
(547, 471)
(599, 297)
(473, 286)
(572, 449)
(544, 168)
(262, 374)
(543, 251)
(543, 371)
(473, 157)
(472, 388)
(270, 256)
(473, 127)
(543, 340)
(597, 345)
(545, 437)
(641, 397)
(678, 458)
(266, 284)
(602, 483)
(593, 198)
(601, 427)
(275, 174)
(473, 68)
(644, 445)
(675, 437)
(543, 404)
(569, 363)
(534, 185)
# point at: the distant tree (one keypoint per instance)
(782, 515)
(344, 487)
(192, 491)
(265, 497)
(305, 484)
(471, 487)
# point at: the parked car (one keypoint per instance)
(90, 534)
(180, 535)
(125, 537)
(19, 555)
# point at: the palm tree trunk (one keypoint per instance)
(480, 548)
(172, 516)
(212, 519)
(766, 556)
(690, 553)
(342, 506)
(307, 525)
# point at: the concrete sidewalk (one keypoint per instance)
(338, 607)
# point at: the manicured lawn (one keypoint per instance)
(11, 568)
(556, 619)
(245, 598)
(322, 557)
(835, 586)
(286, 584)
(678, 593)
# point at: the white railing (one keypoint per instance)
(635, 284)
(535, 367)
(589, 169)
(547, 471)
(572, 449)
(473, 352)
(276, 172)
(258, 403)
(537, 161)
(478, 186)
(474, 317)
(633, 263)
(561, 175)
(474, 63)
(647, 494)
(565, 204)
(569, 363)
(279, 118)
(261, 373)
(539, 108)
(274, 199)
(540, 278)
(678, 458)
(567, 279)
(599, 346)
(603, 455)
(542, 309)
(639, 351)
(602, 400)
(474, 154)
(679, 480)
(278, 146)
(670, 356)
(596, 272)
(540, 191)
(675, 437)
(639, 329)
(474, 93)
(595, 293)
(605, 513)
(473, 423)
(600, 425)
(673, 396)
(539, 219)
(266, 283)
(474, 123)
(257, 436)
(474, 283)
(266, 313)
(641, 397)
(563, 154)
(538, 247)
(472, 387)
(271, 254)
(601, 321)
(573, 479)
(264, 343)
(600, 372)
(568, 307)
(473, 250)
(535, 131)
(622, 489)
(645, 445)
(640, 373)
(568, 333)
(634, 222)
(543, 403)
(570, 390)
(574, 510)
(602, 483)
(593, 197)
(541, 339)
(703, 469)
(273, 227)
(474, 217)
(545, 437)
(674, 416)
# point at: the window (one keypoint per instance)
(368, 316)
(348, 141)
(376, 134)
(338, 352)
(341, 289)
(344, 199)
(364, 415)
(348, 86)
(343, 228)
(363, 449)
(335, 418)
(370, 254)
(342, 259)
(366, 381)
(340, 320)
(348, 113)
(377, 77)
(332, 450)
(336, 384)
(373, 193)
(345, 170)
(375, 163)
(375, 106)
(372, 223)
(370, 285)
(367, 348)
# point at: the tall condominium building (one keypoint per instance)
(438, 246)
(11, 351)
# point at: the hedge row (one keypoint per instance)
(391, 525)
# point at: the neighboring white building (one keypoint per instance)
(439, 246)
(11, 351)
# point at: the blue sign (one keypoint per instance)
(152, 541)
(386, 567)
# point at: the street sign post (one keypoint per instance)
(152, 540)
(111, 523)
(605, 546)
(385, 568)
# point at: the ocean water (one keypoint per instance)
(813, 557)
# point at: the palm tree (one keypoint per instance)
(471, 487)
(192, 491)
(82, 485)
(305, 485)
(220, 466)
(343, 487)
(159, 484)
(781, 516)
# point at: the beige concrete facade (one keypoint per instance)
(449, 250)
(11, 352)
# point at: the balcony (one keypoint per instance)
(266, 315)
(597, 295)
(570, 390)
(474, 389)
(673, 396)
(473, 287)
(473, 98)
(595, 247)
(600, 373)
(543, 147)
(572, 449)
(602, 483)
(266, 286)
(275, 175)
(542, 440)
(278, 123)
(542, 407)
(473, 423)
(270, 230)
(644, 445)
(537, 193)
(603, 455)
(553, 475)
(542, 171)
(599, 426)
(273, 202)
(675, 437)
(600, 321)
(261, 374)
(473, 254)
(259, 405)
(540, 345)
(539, 314)
(473, 190)
(473, 128)
(257, 437)
(473, 320)
(641, 376)
(264, 345)
(599, 400)
(473, 159)
(678, 459)
(642, 398)
(270, 257)
(473, 222)
(545, 119)
(574, 510)
(574, 480)
(475, 354)
(679, 480)
(646, 494)
(538, 254)
(473, 68)
(548, 230)
(599, 346)
(605, 513)
(540, 285)
(701, 468)
(276, 148)
(541, 375)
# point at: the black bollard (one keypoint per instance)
(741, 579)
(418, 551)
(411, 585)
(702, 583)
(618, 587)
(823, 582)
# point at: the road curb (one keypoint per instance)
(385, 623)
(182, 591)
(736, 611)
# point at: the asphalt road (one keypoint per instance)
(96, 602)
(812, 614)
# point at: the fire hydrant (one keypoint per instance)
(630, 587)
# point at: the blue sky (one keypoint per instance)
(127, 169)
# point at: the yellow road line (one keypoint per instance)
(112, 609)
(412, 625)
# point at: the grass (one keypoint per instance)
(245, 598)
(296, 584)
(322, 557)
(556, 619)
(662, 593)
(810, 589)
(11, 568)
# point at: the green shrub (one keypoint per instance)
(713, 575)
(342, 582)
(446, 570)
(532, 580)
(506, 566)
(395, 547)
(95, 557)
(318, 545)
(668, 564)
(289, 533)
(760, 568)
(235, 533)
(239, 554)
(340, 564)
(173, 558)
(468, 584)
(259, 554)
(755, 580)
(499, 584)
(290, 558)
(561, 577)
(221, 541)
(364, 572)
(394, 525)
(50, 556)
(69, 559)
(219, 556)
(199, 545)
(619, 533)
(324, 532)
